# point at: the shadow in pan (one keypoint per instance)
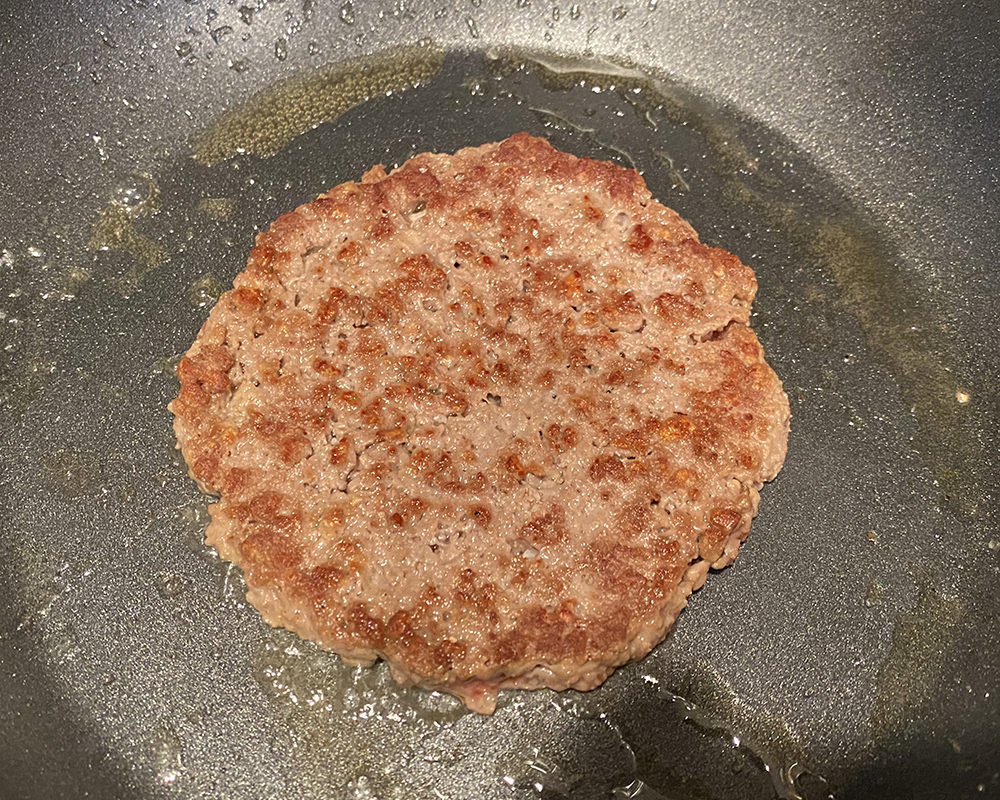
(927, 772)
(47, 749)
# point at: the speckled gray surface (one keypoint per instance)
(845, 151)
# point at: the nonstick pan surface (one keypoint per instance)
(847, 152)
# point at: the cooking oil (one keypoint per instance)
(271, 119)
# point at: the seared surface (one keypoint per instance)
(490, 417)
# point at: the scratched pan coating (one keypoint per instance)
(850, 649)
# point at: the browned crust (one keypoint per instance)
(315, 397)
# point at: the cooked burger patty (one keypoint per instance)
(490, 417)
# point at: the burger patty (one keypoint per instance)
(490, 417)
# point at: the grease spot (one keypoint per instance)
(115, 230)
(205, 291)
(166, 751)
(74, 473)
(272, 118)
(875, 594)
(217, 207)
(921, 640)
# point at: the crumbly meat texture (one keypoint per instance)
(490, 417)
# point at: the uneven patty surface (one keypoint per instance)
(490, 417)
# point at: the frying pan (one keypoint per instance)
(846, 151)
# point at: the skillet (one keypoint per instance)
(846, 152)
